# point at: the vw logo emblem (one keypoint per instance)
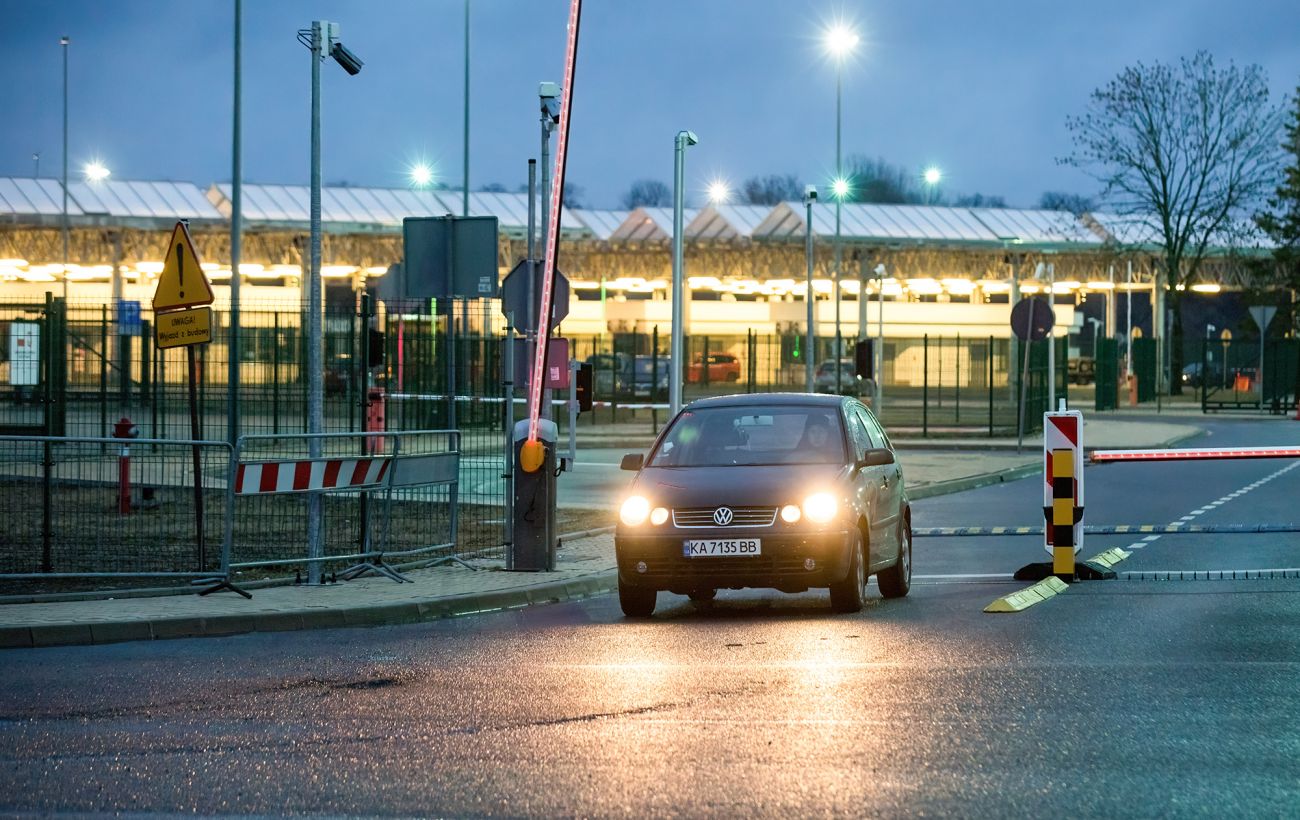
(722, 516)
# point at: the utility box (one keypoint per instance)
(533, 549)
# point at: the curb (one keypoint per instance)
(958, 485)
(405, 612)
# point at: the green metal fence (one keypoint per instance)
(1240, 375)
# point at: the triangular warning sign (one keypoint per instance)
(182, 283)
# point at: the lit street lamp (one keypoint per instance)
(932, 176)
(810, 330)
(96, 172)
(65, 41)
(840, 42)
(719, 192)
(421, 175)
(323, 41)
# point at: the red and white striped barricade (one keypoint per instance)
(1063, 488)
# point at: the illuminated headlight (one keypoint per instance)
(820, 507)
(658, 516)
(634, 511)
(791, 513)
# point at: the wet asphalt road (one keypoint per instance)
(1122, 698)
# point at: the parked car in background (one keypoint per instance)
(1197, 374)
(610, 372)
(645, 381)
(1082, 369)
(722, 367)
(849, 384)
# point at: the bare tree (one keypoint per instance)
(1077, 204)
(879, 181)
(1189, 147)
(771, 189)
(978, 200)
(647, 192)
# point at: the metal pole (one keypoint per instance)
(862, 296)
(65, 41)
(546, 409)
(879, 364)
(1128, 324)
(684, 138)
(465, 177)
(839, 199)
(315, 378)
(236, 231)
(1051, 337)
(1110, 307)
(810, 330)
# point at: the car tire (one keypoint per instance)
(733, 377)
(896, 581)
(637, 602)
(848, 595)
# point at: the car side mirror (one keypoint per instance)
(632, 461)
(877, 457)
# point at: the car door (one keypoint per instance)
(867, 487)
(891, 481)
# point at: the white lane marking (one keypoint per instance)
(965, 575)
(1151, 538)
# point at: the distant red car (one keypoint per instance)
(723, 367)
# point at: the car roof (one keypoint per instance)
(769, 400)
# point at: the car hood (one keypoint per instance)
(739, 486)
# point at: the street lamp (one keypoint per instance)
(932, 176)
(323, 41)
(421, 175)
(684, 139)
(65, 41)
(810, 332)
(840, 42)
(95, 171)
(719, 192)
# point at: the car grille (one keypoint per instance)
(741, 517)
(759, 565)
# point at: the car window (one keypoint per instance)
(861, 441)
(725, 436)
(877, 433)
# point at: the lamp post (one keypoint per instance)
(810, 329)
(932, 176)
(465, 178)
(236, 235)
(323, 41)
(840, 41)
(65, 41)
(684, 139)
(878, 366)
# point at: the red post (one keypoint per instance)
(126, 431)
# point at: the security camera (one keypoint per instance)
(880, 271)
(351, 63)
(809, 194)
(548, 90)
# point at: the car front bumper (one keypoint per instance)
(655, 561)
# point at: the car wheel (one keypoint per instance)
(733, 377)
(847, 595)
(896, 581)
(637, 602)
(703, 595)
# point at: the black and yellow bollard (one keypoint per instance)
(1063, 514)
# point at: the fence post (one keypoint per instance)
(654, 380)
(925, 386)
(957, 383)
(147, 385)
(275, 373)
(990, 385)
(103, 373)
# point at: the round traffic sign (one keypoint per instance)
(1032, 319)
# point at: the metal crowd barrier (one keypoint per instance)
(110, 508)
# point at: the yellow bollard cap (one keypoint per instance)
(531, 455)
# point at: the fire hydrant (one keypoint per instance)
(126, 431)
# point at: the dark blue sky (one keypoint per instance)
(979, 88)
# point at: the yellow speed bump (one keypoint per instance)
(1027, 597)
(1109, 558)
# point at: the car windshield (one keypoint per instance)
(727, 436)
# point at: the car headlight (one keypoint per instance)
(791, 513)
(634, 511)
(658, 515)
(820, 507)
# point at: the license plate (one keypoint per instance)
(722, 547)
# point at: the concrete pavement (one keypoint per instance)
(585, 565)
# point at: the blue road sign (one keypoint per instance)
(128, 318)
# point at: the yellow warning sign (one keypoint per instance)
(184, 327)
(182, 283)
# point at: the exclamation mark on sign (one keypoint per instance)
(180, 269)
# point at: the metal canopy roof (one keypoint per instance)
(651, 224)
(726, 222)
(140, 202)
(602, 224)
(1037, 227)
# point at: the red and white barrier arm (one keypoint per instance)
(1102, 456)
(275, 477)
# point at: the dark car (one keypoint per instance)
(849, 382)
(649, 376)
(1197, 374)
(788, 491)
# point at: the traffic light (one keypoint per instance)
(583, 385)
(863, 360)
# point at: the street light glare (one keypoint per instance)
(933, 175)
(840, 188)
(421, 175)
(95, 171)
(718, 192)
(841, 40)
